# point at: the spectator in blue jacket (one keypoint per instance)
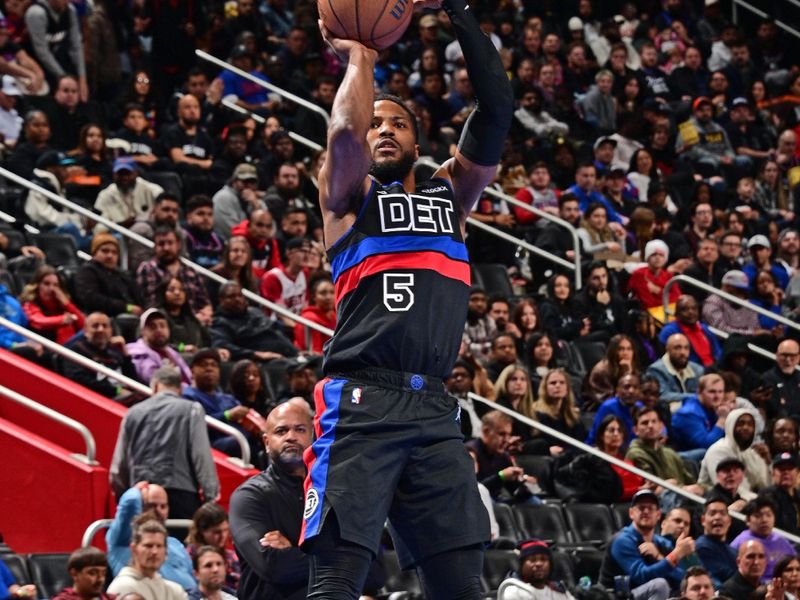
(704, 348)
(715, 554)
(701, 420)
(677, 375)
(206, 371)
(11, 309)
(650, 560)
(141, 497)
(628, 397)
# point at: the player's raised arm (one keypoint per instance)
(485, 131)
(347, 163)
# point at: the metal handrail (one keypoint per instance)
(750, 346)
(129, 383)
(422, 161)
(725, 295)
(83, 431)
(149, 244)
(96, 526)
(611, 459)
(576, 261)
(273, 88)
(762, 14)
(521, 243)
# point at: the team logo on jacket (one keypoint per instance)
(312, 501)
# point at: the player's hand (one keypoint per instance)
(275, 539)
(343, 47)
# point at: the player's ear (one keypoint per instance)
(416, 152)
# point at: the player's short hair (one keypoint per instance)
(399, 101)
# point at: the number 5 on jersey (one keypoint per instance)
(397, 293)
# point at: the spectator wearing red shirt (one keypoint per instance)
(321, 310)
(49, 309)
(286, 285)
(538, 193)
(259, 230)
(647, 283)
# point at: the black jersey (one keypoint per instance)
(402, 283)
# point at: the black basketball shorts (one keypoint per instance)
(390, 444)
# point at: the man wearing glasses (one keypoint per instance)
(785, 382)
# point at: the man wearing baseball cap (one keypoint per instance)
(51, 173)
(128, 198)
(705, 144)
(10, 121)
(746, 138)
(761, 252)
(237, 199)
(532, 580)
(152, 349)
(650, 560)
(730, 317)
(783, 492)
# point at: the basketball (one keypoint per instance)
(373, 23)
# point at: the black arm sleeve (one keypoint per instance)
(487, 127)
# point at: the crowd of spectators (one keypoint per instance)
(665, 133)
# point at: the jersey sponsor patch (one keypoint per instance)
(312, 501)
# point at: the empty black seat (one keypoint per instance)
(540, 467)
(591, 523)
(562, 569)
(60, 248)
(506, 523)
(587, 562)
(494, 277)
(498, 565)
(49, 572)
(398, 580)
(18, 565)
(621, 516)
(544, 521)
(591, 352)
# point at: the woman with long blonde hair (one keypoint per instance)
(555, 407)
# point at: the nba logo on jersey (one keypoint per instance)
(355, 398)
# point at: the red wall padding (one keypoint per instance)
(48, 498)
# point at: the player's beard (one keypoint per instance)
(393, 170)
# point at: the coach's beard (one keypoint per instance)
(392, 170)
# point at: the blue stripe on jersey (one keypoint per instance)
(332, 395)
(397, 243)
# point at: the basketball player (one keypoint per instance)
(388, 436)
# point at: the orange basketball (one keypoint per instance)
(373, 23)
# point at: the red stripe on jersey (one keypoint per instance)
(433, 261)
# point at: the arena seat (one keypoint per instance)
(590, 523)
(16, 240)
(49, 572)
(506, 522)
(563, 569)
(620, 512)
(494, 277)
(398, 580)
(497, 565)
(60, 248)
(18, 565)
(591, 352)
(544, 521)
(586, 563)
